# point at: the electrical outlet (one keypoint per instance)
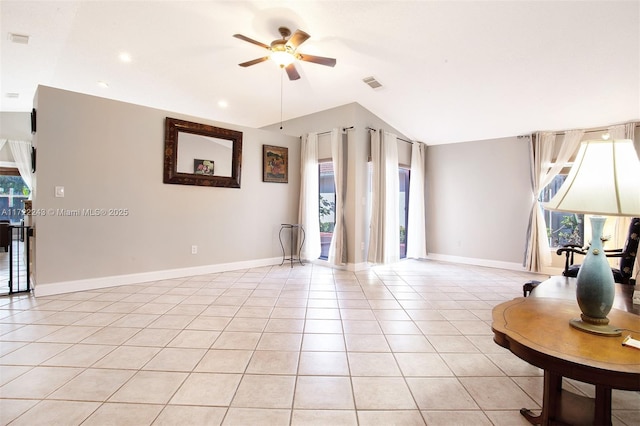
(194, 249)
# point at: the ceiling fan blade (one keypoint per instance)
(253, 62)
(292, 72)
(250, 40)
(330, 62)
(297, 39)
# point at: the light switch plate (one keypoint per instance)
(59, 191)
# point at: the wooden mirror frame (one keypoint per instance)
(173, 127)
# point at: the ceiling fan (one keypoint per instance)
(284, 52)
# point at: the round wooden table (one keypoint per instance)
(537, 330)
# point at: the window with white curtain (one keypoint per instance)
(404, 174)
(569, 228)
(562, 227)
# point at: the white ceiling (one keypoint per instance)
(451, 71)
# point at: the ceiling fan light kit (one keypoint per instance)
(282, 58)
(284, 52)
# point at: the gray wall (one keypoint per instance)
(109, 155)
(479, 198)
(478, 193)
(357, 139)
(15, 125)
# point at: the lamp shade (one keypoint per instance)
(604, 180)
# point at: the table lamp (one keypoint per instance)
(604, 180)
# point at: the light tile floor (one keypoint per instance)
(407, 344)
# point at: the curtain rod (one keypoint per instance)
(344, 129)
(595, 130)
(400, 139)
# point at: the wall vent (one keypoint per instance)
(19, 38)
(12, 95)
(372, 82)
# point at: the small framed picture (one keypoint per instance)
(203, 167)
(275, 164)
(33, 120)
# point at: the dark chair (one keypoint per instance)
(528, 287)
(627, 255)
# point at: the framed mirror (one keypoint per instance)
(201, 154)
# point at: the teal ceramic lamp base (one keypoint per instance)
(595, 288)
(600, 329)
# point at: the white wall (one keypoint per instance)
(109, 155)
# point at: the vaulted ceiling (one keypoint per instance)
(450, 71)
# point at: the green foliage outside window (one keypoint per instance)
(568, 231)
(327, 209)
(15, 182)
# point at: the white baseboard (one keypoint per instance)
(143, 277)
(477, 262)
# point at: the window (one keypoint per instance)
(13, 191)
(327, 200)
(562, 228)
(404, 209)
(403, 202)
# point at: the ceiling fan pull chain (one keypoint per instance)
(281, 84)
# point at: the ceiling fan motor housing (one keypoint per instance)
(284, 32)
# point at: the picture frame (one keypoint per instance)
(203, 167)
(33, 121)
(33, 160)
(275, 164)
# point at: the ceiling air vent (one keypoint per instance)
(372, 82)
(19, 38)
(12, 95)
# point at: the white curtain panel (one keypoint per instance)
(2, 143)
(619, 226)
(21, 151)
(416, 222)
(308, 213)
(384, 237)
(543, 170)
(338, 248)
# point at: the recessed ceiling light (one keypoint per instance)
(223, 104)
(125, 57)
(103, 84)
(19, 38)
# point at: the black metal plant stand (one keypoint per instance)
(292, 228)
